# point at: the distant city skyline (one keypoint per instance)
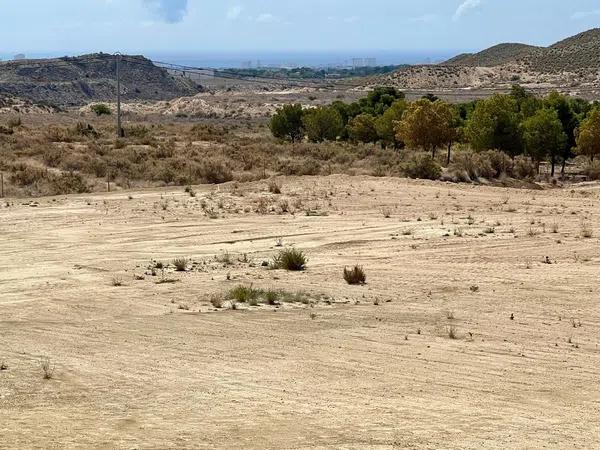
(203, 26)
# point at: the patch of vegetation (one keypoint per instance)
(290, 259)
(355, 276)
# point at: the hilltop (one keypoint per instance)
(78, 80)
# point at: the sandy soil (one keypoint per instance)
(149, 365)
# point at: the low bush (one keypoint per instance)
(244, 294)
(180, 264)
(101, 109)
(421, 165)
(290, 259)
(355, 275)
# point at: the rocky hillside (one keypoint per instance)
(571, 65)
(578, 52)
(79, 80)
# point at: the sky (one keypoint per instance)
(141, 26)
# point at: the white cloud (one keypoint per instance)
(465, 7)
(234, 12)
(426, 18)
(170, 11)
(580, 15)
(352, 19)
(267, 18)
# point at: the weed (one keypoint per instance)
(274, 187)
(290, 259)
(47, 368)
(586, 230)
(243, 294)
(452, 332)
(180, 264)
(355, 275)
(117, 281)
(217, 301)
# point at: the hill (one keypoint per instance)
(571, 65)
(494, 56)
(78, 80)
(577, 52)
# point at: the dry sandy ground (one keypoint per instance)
(376, 369)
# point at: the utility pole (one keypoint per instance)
(119, 127)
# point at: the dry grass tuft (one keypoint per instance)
(355, 275)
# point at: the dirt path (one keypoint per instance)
(149, 365)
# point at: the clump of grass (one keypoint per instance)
(452, 332)
(3, 366)
(386, 212)
(117, 281)
(47, 368)
(272, 297)
(217, 301)
(474, 288)
(225, 258)
(586, 230)
(355, 275)
(243, 294)
(290, 259)
(274, 187)
(180, 264)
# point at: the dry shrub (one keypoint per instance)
(274, 187)
(524, 168)
(206, 132)
(500, 163)
(355, 275)
(592, 170)
(67, 183)
(421, 165)
(25, 175)
(215, 171)
(468, 166)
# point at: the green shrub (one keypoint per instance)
(290, 259)
(100, 109)
(323, 124)
(287, 123)
(244, 294)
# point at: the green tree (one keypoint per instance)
(323, 124)
(427, 125)
(569, 121)
(386, 123)
(543, 135)
(588, 135)
(494, 124)
(362, 128)
(287, 123)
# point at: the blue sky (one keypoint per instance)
(77, 26)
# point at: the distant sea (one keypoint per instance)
(256, 59)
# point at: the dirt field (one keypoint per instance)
(509, 273)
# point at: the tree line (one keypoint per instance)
(555, 128)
